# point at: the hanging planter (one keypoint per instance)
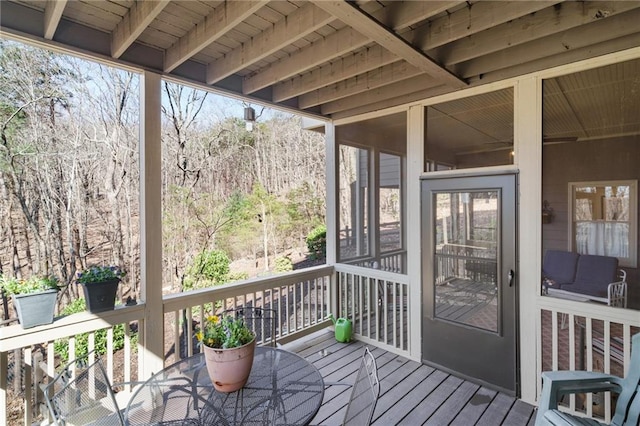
(100, 285)
(34, 299)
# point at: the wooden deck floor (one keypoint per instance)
(410, 393)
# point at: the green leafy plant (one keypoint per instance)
(237, 276)
(317, 242)
(284, 264)
(31, 285)
(224, 332)
(210, 267)
(61, 346)
(96, 274)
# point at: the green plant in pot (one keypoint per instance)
(229, 346)
(99, 285)
(34, 299)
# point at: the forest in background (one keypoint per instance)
(69, 174)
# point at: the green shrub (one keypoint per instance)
(210, 267)
(237, 276)
(284, 264)
(317, 242)
(61, 346)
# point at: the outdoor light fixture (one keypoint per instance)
(249, 117)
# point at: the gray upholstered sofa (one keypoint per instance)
(589, 277)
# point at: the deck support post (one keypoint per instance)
(331, 172)
(414, 169)
(528, 158)
(151, 223)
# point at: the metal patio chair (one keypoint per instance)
(364, 393)
(261, 321)
(559, 383)
(81, 394)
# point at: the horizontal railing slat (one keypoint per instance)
(15, 337)
(174, 302)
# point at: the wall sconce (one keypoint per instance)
(547, 212)
(249, 117)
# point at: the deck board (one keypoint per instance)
(410, 393)
(474, 407)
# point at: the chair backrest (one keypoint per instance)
(628, 404)
(364, 393)
(560, 266)
(261, 321)
(81, 394)
(595, 273)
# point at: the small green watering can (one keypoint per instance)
(343, 328)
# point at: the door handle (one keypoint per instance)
(511, 275)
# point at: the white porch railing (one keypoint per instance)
(393, 261)
(585, 336)
(24, 348)
(377, 303)
(301, 300)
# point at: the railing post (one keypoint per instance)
(39, 373)
(4, 370)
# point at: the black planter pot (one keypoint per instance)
(100, 296)
(35, 308)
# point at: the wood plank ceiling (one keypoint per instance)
(331, 58)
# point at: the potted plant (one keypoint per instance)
(34, 299)
(228, 349)
(99, 285)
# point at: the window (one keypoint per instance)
(390, 208)
(604, 217)
(353, 201)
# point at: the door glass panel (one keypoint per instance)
(465, 267)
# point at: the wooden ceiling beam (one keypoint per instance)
(474, 18)
(400, 15)
(52, 13)
(392, 101)
(297, 25)
(367, 59)
(220, 21)
(337, 44)
(606, 28)
(140, 15)
(549, 21)
(589, 51)
(418, 83)
(380, 77)
(371, 28)
(397, 15)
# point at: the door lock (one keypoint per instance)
(511, 276)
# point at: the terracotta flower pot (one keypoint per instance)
(229, 369)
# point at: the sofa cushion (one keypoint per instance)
(593, 275)
(560, 266)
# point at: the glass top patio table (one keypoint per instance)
(283, 388)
